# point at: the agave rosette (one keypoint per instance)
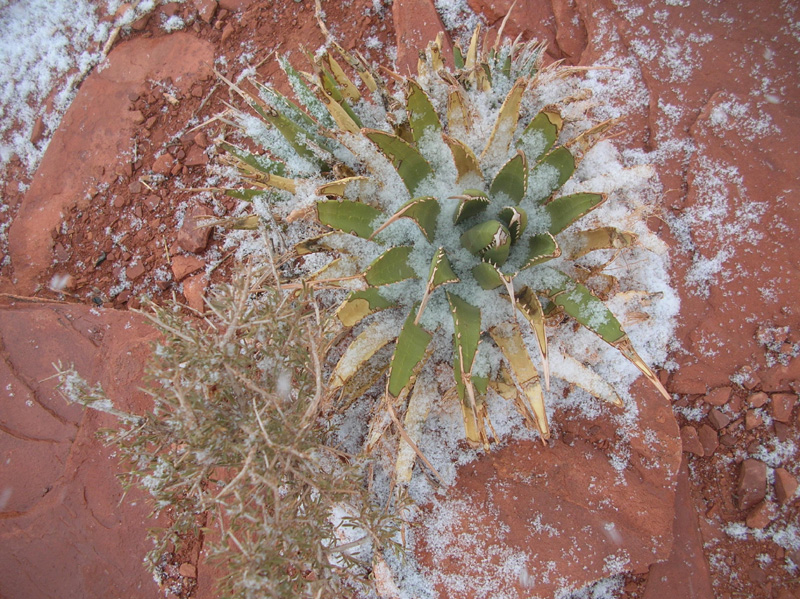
(441, 198)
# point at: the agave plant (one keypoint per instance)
(439, 195)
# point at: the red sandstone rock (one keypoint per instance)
(194, 289)
(575, 501)
(709, 438)
(188, 570)
(62, 501)
(782, 404)
(196, 157)
(752, 420)
(416, 23)
(192, 236)
(751, 487)
(717, 419)
(685, 573)
(785, 485)
(135, 271)
(206, 9)
(718, 396)
(757, 400)
(183, 266)
(691, 441)
(95, 134)
(163, 164)
(761, 515)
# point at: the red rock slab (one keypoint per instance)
(94, 139)
(67, 531)
(528, 520)
(416, 23)
(685, 573)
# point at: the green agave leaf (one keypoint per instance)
(260, 163)
(410, 164)
(421, 113)
(410, 349)
(423, 211)
(562, 160)
(483, 235)
(288, 109)
(390, 267)
(346, 86)
(305, 95)
(512, 179)
(467, 324)
(591, 312)
(464, 158)
(441, 271)
(361, 304)
(544, 127)
(515, 220)
(506, 123)
(566, 210)
(458, 57)
(246, 195)
(473, 202)
(294, 134)
(486, 275)
(542, 247)
(351, 217)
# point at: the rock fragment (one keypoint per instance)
(764, 513)
(751, 487)
(192, 236)
(756, 400)
(785, 485)
(718, 396)
(782, 405)
(717, 419)
(163, 164)
(183, 266)
(709, 439)
(691, 441)
(194, 289)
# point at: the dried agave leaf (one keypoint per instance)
(505, 125)
(601, 238)
(363, 347)
(360, 304)
(509, 340)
